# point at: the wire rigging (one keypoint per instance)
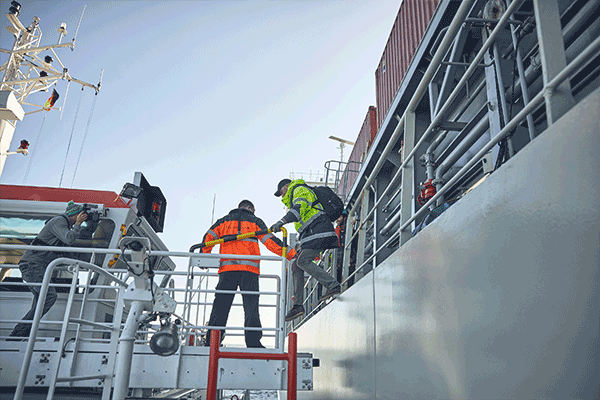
(87, 129)
(33, 150)
(65, 100)
(70, 138)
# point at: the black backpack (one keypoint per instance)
(331, 203)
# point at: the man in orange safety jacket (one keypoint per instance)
(234, 273)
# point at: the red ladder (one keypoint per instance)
(215, 354)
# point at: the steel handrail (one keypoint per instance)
(79, 330)
(110, 275)
(453, 30)
(513, 123)
(187, 305)
(129, 252)
(281, 298)
(434, 64)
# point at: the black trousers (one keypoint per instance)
(246, 281)
(33, 273)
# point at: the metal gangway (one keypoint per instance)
(127, 355)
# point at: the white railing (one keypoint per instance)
(118, 281)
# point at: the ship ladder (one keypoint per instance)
(215, 354)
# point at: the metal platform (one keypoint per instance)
(99, 358)
(187, 369)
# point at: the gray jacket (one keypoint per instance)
(57, 232)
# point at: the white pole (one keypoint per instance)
(123, 367)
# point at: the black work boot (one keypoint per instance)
(333, 291)
(295, 312)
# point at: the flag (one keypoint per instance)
(50, 103)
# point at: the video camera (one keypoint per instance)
(92, 211)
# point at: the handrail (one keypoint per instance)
(129, 252)
(280, 305)
(228, 238)
(533, 104)
(452, 31)
(110, 275)
(512, 124)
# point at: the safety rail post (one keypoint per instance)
(215, 354)
(187, 302)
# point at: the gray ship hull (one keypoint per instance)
(497, 298)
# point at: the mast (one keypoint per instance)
(343, 143)
(26, 72)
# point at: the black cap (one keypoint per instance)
(281, 184)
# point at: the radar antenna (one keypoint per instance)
(343, 143)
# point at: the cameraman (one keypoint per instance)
(60, 231)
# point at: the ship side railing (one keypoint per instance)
(187, 299)
(383, 213)
(406, 126)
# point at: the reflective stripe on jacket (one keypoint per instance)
(237, 222)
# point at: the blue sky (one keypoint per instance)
(205, 98)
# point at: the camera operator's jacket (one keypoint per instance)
(237, 222)
(58, 232)
(314, 228)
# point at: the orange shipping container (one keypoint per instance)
(359, 151)
(408, 30)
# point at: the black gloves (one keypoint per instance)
(276, 227)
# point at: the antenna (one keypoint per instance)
(78, 25)
(100, 81)
(212, 218)
(343, 143)
(62, 110)
(19, 80)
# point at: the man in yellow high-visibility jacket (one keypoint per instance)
(316, 234)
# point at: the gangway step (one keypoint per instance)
(80, 378)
